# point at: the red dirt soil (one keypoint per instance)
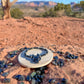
(58, 34)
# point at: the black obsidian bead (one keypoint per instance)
(61, 62)
(20, 77)
(36, 59)
(5, 66)
(5, 74)
(51, 81)
(6, 80)
(1, 70)
(64, 81)
(58, 52)
(76, 57)
(28, 78)
(56, 57)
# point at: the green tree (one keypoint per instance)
(59, 6)
(68, 9)
(62, 6)
(59, 10)
(16, 13)
(82, 5)
(50, 13)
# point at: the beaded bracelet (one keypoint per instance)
(36, 58)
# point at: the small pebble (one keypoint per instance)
(20, 77)
(13, 52)
(28, 78)
(58, 52)
(42, 76)
(70, 56)
(1, 70)
(39, 76)
(11, 56)
(67, 60)
(45, 67)
(76, 57)
(6, 80)
(38, 72)
(5, 74)
(64, 81)
(56, 57)
(38, 79)
(1, 66)
(42, 72)
(2, 62)
(51, 81)
(33, 74)
(5, 66)
(21, 82)
(34, 81)
(67, 53)
(42, 68)
(54, 63)
(10, 64)
(61, 63)
(23, 48)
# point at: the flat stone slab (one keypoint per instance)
(26, 61)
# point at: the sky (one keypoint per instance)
(58, 1)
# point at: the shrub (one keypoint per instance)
(59, 10)
(50, 13)
(68, 9)
(60, 13)
(16, 13)
(1, 13)
(59, 6)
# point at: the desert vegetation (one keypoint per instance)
(66, 10)
(20, 11)
(58, 10)
(17, 13)
(25, 11)
(6, 5)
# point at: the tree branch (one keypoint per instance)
(4, 3)
(11, 3)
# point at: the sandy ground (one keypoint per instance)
(58, 34)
